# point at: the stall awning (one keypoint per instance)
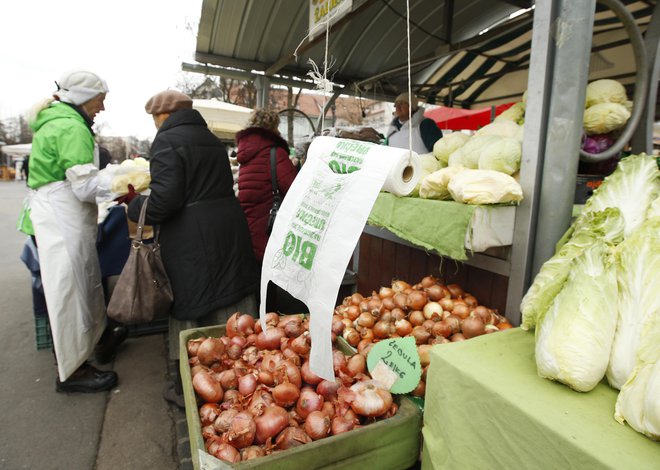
(459, 119)
(467, 54)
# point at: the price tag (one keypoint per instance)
(400, 355)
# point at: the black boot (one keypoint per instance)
(87, 379)
(106, 349)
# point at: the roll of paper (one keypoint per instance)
(405, 171)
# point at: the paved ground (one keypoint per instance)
(130, 427)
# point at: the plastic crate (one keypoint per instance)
(42, 333)
(392, 443)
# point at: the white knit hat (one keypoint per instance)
(79, 86)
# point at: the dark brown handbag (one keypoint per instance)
(143, 291)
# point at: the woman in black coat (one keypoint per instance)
(204, 236)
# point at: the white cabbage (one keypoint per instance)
(602, 118)
(606, 225)
(503, 156)
(632, 188)
(434, 186)
(502, 128)
(484, 187)
(468, 155)
(574, 337)
(605, 91)
(638, 264)
(444, 147)
(639, 400)
(428, 165)
(515, 113)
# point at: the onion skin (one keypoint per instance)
(369, 400)
(285, 394)
(208, 413)
(210, 350)
(309, 401)
(416, 300)
(225, 452)
(472, 326)
(223, 422)
(252, 452)
(357, 364)
(308, 376)
(270, 338)
(242, 431)
(317, 425)
(193, 346)
(207, 387)
(273, 420)
(340, 425)
(292, 437)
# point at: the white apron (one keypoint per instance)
(399, 138)
(66, 229)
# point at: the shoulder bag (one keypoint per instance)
(143, 291)
(277, 197)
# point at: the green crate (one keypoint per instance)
(393, 443)
(42, 333)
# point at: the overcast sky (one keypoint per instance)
(137, 46)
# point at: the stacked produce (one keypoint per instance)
(431, 312)
(477, 169)
(258, 395)
(607, 109)
(594, 304)
(116, 178)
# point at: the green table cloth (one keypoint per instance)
(486, 408)
(434, 225)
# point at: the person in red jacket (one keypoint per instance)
(255, 189)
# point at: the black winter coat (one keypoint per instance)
(204, 236)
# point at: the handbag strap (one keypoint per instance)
(273, 171)
(140, 225)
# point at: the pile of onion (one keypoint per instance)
(259, 395)
(430, 311)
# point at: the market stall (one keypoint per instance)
(481, 255)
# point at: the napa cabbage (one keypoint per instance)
(606, 225)
(428, 164)
(638, 265)
(574, 336)
(434, 186)
(484, 187)
(503, 156)
(605, 91)
(444, 147)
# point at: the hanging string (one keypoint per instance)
(410, 98)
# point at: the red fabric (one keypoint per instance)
(459, 119)
(255, 191)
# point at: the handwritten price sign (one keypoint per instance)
(400, 356)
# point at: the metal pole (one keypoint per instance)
(263, 89)
(642, 140)
(559, 67)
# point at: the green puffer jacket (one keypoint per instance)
(61, 140)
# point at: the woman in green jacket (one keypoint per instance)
(63, 172)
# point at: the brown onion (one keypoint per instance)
(285, 394)
(228, 379)
(273, 420)
(420, 389)
(461, 310)
(472, 326)
(272, 319)
(308, 376)
(338, 361)
(351, 336)
(399, 286)
(223, 422)
(309, 401)
(294, 328)
(428, 281)
(337, 325)
(457, 337)
(365, 320)
(292, 437)
(224, 451)
(207, 387)
(446, 304)
(470, 300)
(317, 425)
(421, 334)
(428, 325)
(388, 303)
(454, 322)
(328, 409)
(403, 327)
(455, 290)
(396, 315)
(210, 350)
(435, 292)
(242, 430)
(357, 364)
(240, 324)
(483, 313)
(352, 312)
(374, 305)
(424, 351)
(234, 351)
(270, 338)
(431, 310)
(208, 413)
(385, 292)
(382, 329)
(260, 401)
(247, 384)
(356, 298)
(364, 347)
(441, 328)
(367, 334)
(288, 372)
(232, 399)
(193, 346)
(340, 425)
(416, 300)
(370, 400)
(252, 452)
(416, 317)
(327, 389)
(400, 300)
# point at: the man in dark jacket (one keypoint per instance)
(204, 235)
